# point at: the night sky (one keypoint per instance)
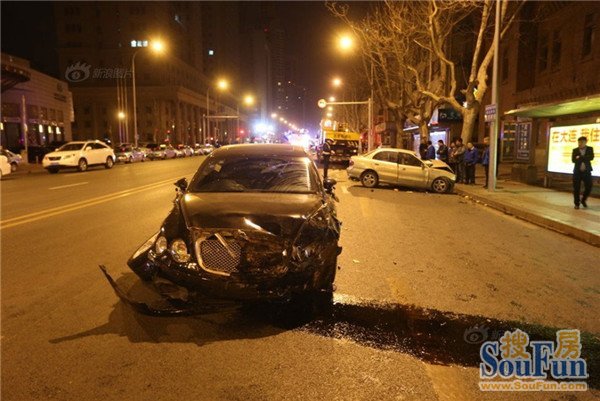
(28, 32)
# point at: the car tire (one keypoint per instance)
(441, 185)
(109, 163)
(13, 167)
(130, 160)
(143, 159)
(82, 165)
(369, 179)
(53, 170)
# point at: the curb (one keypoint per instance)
(541, 221)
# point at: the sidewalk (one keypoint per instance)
(545, 207)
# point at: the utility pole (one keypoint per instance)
(495, 124)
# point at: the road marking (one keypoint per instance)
(42, 214)
(69, 186)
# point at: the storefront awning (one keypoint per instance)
(574, 106)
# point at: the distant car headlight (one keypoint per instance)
(179, 251)
(161, 245)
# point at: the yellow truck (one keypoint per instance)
(344, 145)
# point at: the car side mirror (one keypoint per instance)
(329, 183)
(181, 184)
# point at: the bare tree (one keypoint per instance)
(410, 45)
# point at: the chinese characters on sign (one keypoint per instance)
(563, 140)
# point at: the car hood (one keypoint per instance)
(63, 153)
(278, 214)
(438, 164)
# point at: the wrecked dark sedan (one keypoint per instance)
(255, 222)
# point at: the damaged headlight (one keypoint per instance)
(179, 251)
(161, 245)
(145, 246)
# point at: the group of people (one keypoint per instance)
(462, 159)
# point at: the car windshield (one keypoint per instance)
(71, 146)
(124, 149)
(256, 174)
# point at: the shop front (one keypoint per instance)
(538, 140)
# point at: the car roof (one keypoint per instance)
(409, 151)
(255, 149)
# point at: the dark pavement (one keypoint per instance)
(408, 257)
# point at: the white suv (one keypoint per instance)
(79, 155)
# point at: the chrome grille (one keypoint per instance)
(217, 258)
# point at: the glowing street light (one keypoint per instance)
(329, 115)
(336, 82)
(249, 100)
(157, 46)
(121, 115)
(332, 98)
(345, 42)
(273, 115)
(222, 84)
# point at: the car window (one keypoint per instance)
(410, 160)
(386, 156)
(71, 146)
(256, 174)
(98, 146)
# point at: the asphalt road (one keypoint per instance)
(417, 272)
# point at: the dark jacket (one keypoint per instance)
(430, 153)
(326, 149)
(485, 160)
(586, 159)
(471, 156)
(442, 153)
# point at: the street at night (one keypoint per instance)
(300, 200)
(410, 262)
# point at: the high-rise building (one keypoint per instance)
(97, 42)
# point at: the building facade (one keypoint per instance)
(549, 84)
(37, 109)
(97, 43)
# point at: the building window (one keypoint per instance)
(61, 116)
(543, 55)
(588, 35)
(556, 50)
(43, 113)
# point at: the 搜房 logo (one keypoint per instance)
(524, 365)
(78, 72)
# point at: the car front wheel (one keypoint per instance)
(13, 167)
(369, 179)
(82, 165)
(109, 162)
(53, 170)
(441, 185)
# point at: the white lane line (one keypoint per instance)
(68, 186)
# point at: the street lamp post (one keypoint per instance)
(157, 47)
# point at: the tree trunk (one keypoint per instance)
(424, 131)
(469, 123)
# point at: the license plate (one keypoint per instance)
(54, 163)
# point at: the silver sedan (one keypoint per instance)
(403, 168)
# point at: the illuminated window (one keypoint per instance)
(133, 43)
(211, 52)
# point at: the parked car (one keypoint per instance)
(13, 159)
(79, 155)
(5, 168)
(147, 148)
(204, 149)
(187, 150)
(128, 154)
(255, 222)
(401, 167)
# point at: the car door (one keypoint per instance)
(385, 163)
(99, 153)
(411, 171)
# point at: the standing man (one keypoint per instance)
(430, 152)
(582, 171)
(442, 151)
(326, 152)
(459, 156)
(485, 159)
(471, 157)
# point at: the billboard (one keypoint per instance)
(563, 140)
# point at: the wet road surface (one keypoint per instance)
(423, 280)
